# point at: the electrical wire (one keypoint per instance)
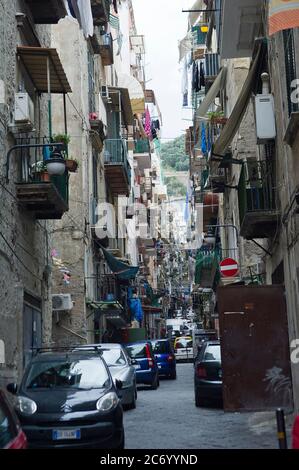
(18, 258)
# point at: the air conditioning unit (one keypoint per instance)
(24, 109)
(62, 302)
(105, 93)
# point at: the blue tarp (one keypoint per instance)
(120, 269)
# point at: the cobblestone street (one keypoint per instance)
(167, 418)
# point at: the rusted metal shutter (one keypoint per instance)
(254, 348)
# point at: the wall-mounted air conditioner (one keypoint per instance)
(24, 109)
(61, 302)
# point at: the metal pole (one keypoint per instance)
(49, 98)
(64, 110)
(281, 429)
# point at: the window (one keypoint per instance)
(212, 353)
(76, 374)
(114, 357)
(137, 350)
(6, 427)
(290, 66)
(161, 347)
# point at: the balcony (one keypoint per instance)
(212, 62)
(142, 154)
(242, 22)
(106, 49)
(100, 11)
(206, 267)
(259, 217)
(44, 199)
(117, 168)
(47, 11)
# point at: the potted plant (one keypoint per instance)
(40, 172)
(217, 117)
(71, 164)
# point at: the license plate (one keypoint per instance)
(137, 366)
(66, 434)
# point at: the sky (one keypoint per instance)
(163, 24)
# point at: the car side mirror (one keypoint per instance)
(118, 384)
(12, 388)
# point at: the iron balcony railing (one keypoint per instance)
(116, 152)
(212, 65)
(32, 168)
(256, 188)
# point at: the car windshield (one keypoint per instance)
(136, 350)
(212, 353)
(81, 374)
(114, 357)
(184, 343)
(160, 347)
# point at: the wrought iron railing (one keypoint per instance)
(116, 152)
(32, 154)
(256, 188)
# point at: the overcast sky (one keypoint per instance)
(163, 24)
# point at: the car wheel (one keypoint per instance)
(155, 383)
(173, 375)
(197, 400)
(132, 405)
(122, 442)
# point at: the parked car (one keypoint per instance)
(11, 434)
(69, 400)
(165, 357)
(122, 368)
(147, 371)
(208, 373)
(183, 348)
(295, 434)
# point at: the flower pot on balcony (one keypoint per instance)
(71, 165)
(55, 166)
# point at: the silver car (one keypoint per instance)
(122, 369)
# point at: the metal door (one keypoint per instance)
(254, 348)
(32, 331)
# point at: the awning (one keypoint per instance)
(218, 85)
(125, 103)
(135, 91)
(120, 269)
(35, 60)
(231, 127)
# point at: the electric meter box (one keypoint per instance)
(265, 118)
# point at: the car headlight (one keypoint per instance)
(26, 406)
(107, 402)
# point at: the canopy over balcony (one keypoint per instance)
(47, 11)
(242, 23)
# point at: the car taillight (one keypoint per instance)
(148, 356)
(170, 358)
(201, 372)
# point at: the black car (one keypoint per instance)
(69, 400)
(208, 373)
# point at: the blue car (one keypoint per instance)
(143, 359)
(165, 357)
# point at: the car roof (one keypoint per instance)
(160, 339)
(213, 343)
(143, 341)
(99, 345)
(62, 356)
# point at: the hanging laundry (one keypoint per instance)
(203, 139)
(195, 77)
(185, 82)
(147, 123)
(115, 6)
(202, 80)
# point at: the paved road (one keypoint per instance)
(168, 419)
